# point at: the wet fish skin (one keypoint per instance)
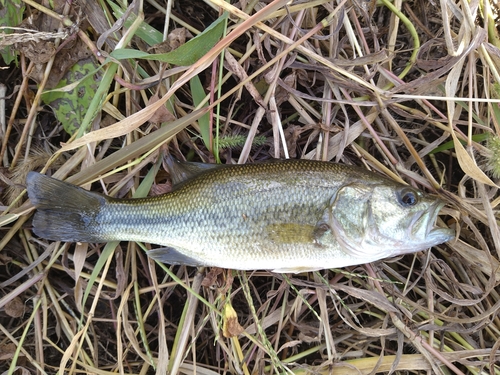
(286, 216)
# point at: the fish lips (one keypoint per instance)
(427, 233)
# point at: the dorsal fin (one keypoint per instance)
(182, 171)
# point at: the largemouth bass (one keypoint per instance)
(285, 216)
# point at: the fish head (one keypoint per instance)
(383, 220)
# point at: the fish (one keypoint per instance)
(286, 216)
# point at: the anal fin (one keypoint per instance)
(169, 255)
(298, 269)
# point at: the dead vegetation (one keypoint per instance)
(407, 88)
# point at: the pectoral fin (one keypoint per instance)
(291, 233)
(170, 255)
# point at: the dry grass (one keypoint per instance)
(394, 86)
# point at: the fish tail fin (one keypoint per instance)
(65, 212)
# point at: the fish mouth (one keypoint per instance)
(426, 221)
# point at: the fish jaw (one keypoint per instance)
(424, 229)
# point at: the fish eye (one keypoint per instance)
(407, 197)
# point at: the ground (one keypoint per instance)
(98, 94)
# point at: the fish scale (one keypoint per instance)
(287, 216)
